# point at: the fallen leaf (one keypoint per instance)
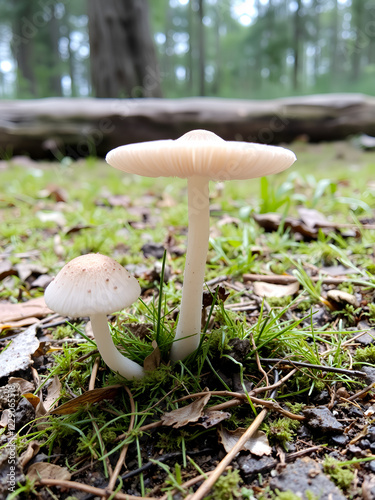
(87, 398)
(208, 297)
(152, 361)
(25, 385)
(186, 414)
(17, 354)
(210, 418)
(119, 200)
(29, 453)
(53, 393)
(342, 297)
(25, 270)
(6, 416)
(258, 444)
(34, 308)
(31, 398)
(56, 193)
(6, 269)
(45, 470)
(263, 289)
(312, 218)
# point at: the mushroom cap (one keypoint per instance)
(91, 284)
(202, 153)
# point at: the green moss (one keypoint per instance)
(340, 474)
(365, 355)
(286, 495)
(281, 431)
(279, 301)
(227, 487)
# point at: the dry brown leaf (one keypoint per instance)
(186, 414)
(32, 449)
(210, 418)
(34, 308)
(152, 361)
(263, 289)
(25, 385)
(53, 393)
(6, 415)
(31, 398)
(257, 444)
(45, 470)
(87, 398)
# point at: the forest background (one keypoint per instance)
(254, 49)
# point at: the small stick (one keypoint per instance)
(315, 367)
(280, 279)
(206, 486)
(90, 489)
(94, 373)
(362, 392)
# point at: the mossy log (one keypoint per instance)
(58, 127)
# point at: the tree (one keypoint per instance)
(122, 52)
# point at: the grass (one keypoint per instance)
(50, 232)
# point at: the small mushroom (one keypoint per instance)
(199, 156)
(95, 285)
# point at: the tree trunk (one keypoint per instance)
(201, 44)
(23, 48)
(123, 56)
(296, 45)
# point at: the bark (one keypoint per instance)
(201, 45)
(123, 56)
(45, 128)
(23, 47)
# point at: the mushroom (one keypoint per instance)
(199, 156)
(95, 285)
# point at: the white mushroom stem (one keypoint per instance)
(111, 356)
(189, 323)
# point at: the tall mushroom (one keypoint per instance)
(95, 285)
(199, 156)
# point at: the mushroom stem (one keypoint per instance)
(111, 356)
(189, 323)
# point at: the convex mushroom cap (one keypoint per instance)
(202, 153)
(95, 285)
(91, 284)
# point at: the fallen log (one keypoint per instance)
(58, 127)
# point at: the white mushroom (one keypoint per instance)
(199, 156)
(95, 285)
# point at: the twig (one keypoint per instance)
(214, 281)
(206, 486)
(362, 392)
(332, 369)
(93, 374)
(279, 279)
(273, 386)
(239, 396)
(90, 489)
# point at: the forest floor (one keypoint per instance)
(288, 354)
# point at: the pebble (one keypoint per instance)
(24, 413)
(306, 475)
(340, 440)
(322, 419)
